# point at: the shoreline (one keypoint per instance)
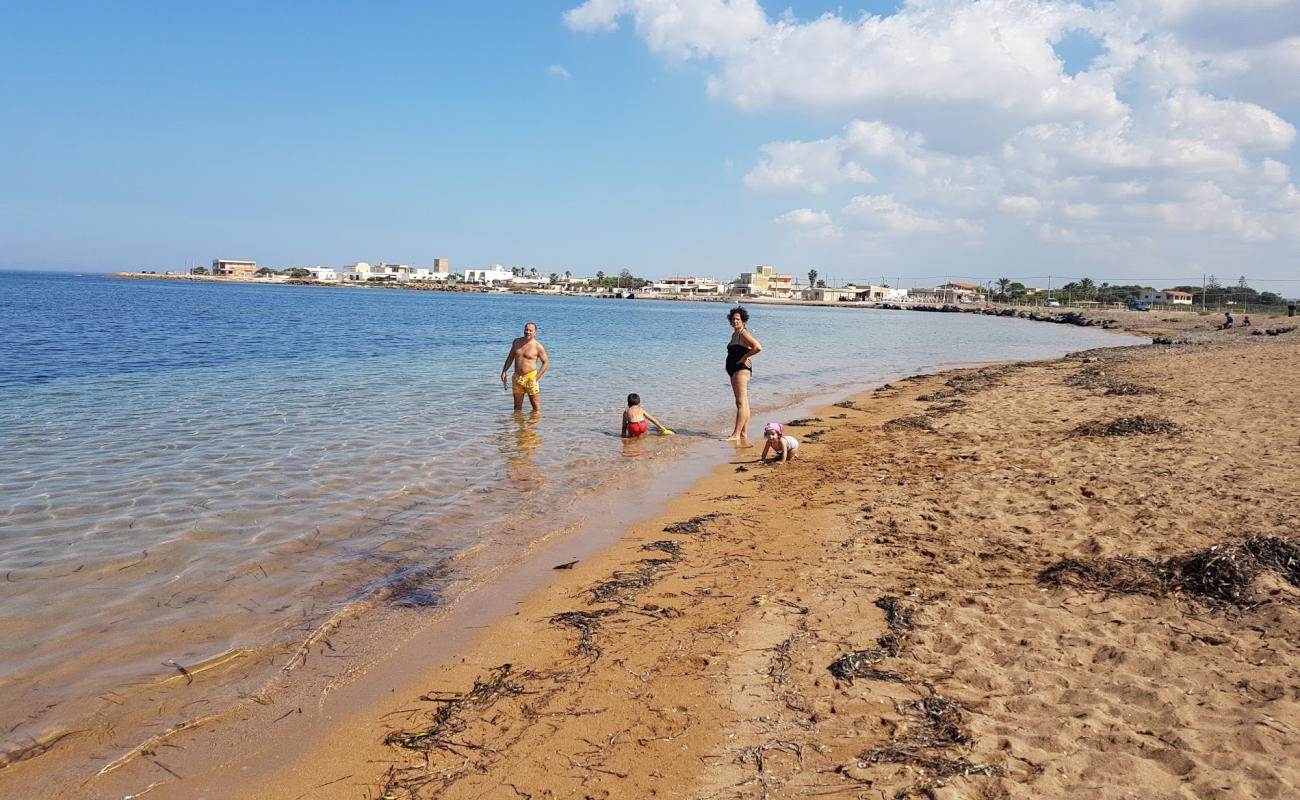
(1119, 319)
(484, 648)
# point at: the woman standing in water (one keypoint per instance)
(742, 347)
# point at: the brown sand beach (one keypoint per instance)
(1077, 578)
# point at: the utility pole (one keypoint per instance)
(1202, 292)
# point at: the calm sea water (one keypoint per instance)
(193, 468)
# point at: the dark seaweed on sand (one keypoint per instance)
(450, 718)
(668, 546)
(802, 423)
(916, 422)
(1127, 426)
(692, 525)
(624, 581)
(862, 663)
(1218, 575)
(586, 623)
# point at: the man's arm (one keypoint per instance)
(510, 359)
(541, 356)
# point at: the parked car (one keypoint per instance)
(1052, 303)
(1136, 306)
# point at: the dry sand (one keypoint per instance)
(904, 548)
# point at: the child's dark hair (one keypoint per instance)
(633, 399)
(738, 311)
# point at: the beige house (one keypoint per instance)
(234, 269)
(765, 280)
(441, 266)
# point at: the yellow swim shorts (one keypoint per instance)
(527, 383)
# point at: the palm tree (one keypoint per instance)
(533, 272)
(567, 275)
(1087, 288)
(518, 272)
(553, 278)
(1004, 284)
(812, 277)
(600, 276)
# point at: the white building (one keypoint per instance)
(1170, 296)
(489, 275)
(689, 285)
(325, 274)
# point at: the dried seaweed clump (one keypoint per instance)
(1127, 426)
(942, 394)
(586, 623)
(692, 525)
(980, 379)
(935, 725)
(450, 718)
(623, 581)
(672, 548)
(915, 422)
(862, 663)
(1220, 575)
(944, 409)
(1129, 389)
(1279, 555)
(803, 423)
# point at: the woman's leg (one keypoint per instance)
(740, 388)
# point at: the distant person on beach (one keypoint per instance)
(782, 446)
(740, 349)
(1227, 319)
(525, 353)
(1245, 321)
(636, 420)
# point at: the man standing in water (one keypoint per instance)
(525, 352)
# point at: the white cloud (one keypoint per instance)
(885, 212)
(558, 71)
(1019, 204)
(962, 115)
(810, 224)
(814, 166)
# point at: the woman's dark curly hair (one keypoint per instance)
(738, 310)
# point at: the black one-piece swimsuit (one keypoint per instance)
(736, 358)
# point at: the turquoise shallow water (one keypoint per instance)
(191, 468)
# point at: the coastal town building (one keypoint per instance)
(489, 275)
(1170, 296)
(950, 293)
(688, 285)
(441, 266)
(323, 274)
(233, 268)
(363, 272)
(764, 280)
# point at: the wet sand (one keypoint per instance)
(872, 619)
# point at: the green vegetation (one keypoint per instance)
(1213, 295)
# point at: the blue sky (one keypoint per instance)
(156, 135)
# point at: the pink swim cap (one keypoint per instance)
(772, 427)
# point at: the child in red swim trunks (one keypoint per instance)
(636, 420)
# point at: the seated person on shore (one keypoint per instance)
(782, 446)
(1227, 320)
(1245, 321)
(636, 420)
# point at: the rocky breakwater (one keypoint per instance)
(1060, 318)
